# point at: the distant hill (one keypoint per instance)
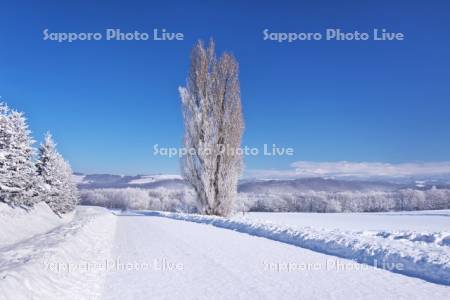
(315, 184)
(95, 181)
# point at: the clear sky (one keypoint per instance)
(108, 102)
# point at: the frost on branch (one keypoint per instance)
(213, 127)
(18, 181)
(60, 191)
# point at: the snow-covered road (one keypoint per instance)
(172, 259)
(149, 255)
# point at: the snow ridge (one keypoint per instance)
(428, 261)
(38, 268)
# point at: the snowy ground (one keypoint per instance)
(56, 264)
(424, 221)
(148, 255)
(16, 224)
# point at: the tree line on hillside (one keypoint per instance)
(347, 201)
(162, 199)
(184, 200)
(28, 176)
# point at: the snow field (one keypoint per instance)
(19, 223)
(428, 261)
(424, 221)
(64, 263)
(71, 260)
(225, 264)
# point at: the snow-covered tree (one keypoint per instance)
(18, 181)
(5, 151)
(213, 125)
(60, 191)
(167, 199)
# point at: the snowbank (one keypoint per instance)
(18, 224)
(436, 238)
(65, 263)
(408, 256)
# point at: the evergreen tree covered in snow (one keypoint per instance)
(18, 180)
(61, 193)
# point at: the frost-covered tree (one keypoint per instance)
(18, 181)
(60, 191)
(5, 152)
(347, 201)
(213, 127)
(161, 198)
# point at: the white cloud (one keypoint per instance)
(366, 169)
(355, 169)
(271, 174)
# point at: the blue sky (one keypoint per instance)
(108, 102)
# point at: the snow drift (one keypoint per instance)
(54, 265)
(20, 223)
(408, 256)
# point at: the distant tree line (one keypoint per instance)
(163, 199)
(184, 200)
(348, 201)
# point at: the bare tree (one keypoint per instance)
(213, 127)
